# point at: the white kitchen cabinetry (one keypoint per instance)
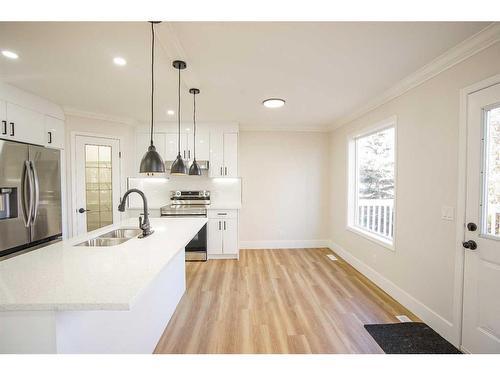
(222, 234)
(223, 154)
(3, 119)
(187, 146)
(22, 125)
(54, 132)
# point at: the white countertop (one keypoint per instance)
(64, 277)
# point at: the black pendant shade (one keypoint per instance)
(178, 166)
(151, 161)
(194, 169)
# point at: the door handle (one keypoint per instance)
(471, 245)
(12, 129)
(472, 227)
(36, 192)
(4, 127)
(82, 210)
(25, 195)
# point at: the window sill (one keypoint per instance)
(372, 237)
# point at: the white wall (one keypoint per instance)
(285, 189)
(423, 263)
(91, 126)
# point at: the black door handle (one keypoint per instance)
(471, 245)
(472, 227)
(4, 129)
(82, 210)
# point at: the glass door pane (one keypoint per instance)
(98, 186)
(491, 174)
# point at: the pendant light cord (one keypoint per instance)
(194, 125)
(179, 113)
(152, 78)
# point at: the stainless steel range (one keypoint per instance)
(190, 204)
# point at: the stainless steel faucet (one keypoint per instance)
(143, 224)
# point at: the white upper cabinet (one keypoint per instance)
(54, 132)
(223, 154)
(3, 119)
(202, 145)
(171, 146)
(24, 125)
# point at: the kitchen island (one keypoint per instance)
(77, 299)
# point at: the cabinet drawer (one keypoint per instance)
(222, 214)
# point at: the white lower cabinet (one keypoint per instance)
(223, 233)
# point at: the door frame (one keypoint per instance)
(73, 205)
(461, 204)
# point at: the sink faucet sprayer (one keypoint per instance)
(144, 225)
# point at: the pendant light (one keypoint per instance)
(151, 161)
(194, 169)
(178, 166)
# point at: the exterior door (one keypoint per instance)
(97, 182)
(481, 309)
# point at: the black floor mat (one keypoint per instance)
(409, 338)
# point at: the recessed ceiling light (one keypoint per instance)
(10, 54)
(120, 61)
(170, 112)
(273, 103)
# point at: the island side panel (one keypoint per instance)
(27, 332)
(134, 331)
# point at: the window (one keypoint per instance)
(372, 183)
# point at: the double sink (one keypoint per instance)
(115, 237)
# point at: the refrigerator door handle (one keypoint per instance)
(26, 192)
(36, 192)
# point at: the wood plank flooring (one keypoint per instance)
(277, 301)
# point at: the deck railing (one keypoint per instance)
(377, 216)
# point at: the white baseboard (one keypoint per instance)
(284, 244)
(441, 325)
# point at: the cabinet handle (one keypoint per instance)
(219, 225)
(221, 171)
(189, 154)
(12, 129)
(50, 137)
(225, 171)
(224, 224)
(221, 213)
(4, 129)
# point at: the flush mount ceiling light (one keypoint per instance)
(273, 103)
(194, 169)
(120, 61)
(10, 54)
(151, 161)
(178, 166)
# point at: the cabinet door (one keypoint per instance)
(171, 146)
(54, 132)
(3, 120)
(214, 236)
(230, 236)
(24, 125)
(202, 145)
(216, 154)
(231, 155)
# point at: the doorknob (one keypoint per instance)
(472, 227)
(471, 245)
(82, 210)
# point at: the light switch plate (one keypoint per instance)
(448, 213)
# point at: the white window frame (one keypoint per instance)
(352, 179)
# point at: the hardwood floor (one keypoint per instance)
(277, 301)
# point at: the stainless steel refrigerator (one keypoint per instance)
(30, 196)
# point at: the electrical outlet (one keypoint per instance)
(448, 213)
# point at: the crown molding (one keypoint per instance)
(462, 51)
(301, 129)
(68, 111)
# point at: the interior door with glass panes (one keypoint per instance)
(481, 309)
(97, 182)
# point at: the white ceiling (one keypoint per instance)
(324, 70)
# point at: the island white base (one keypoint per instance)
(131, 331)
